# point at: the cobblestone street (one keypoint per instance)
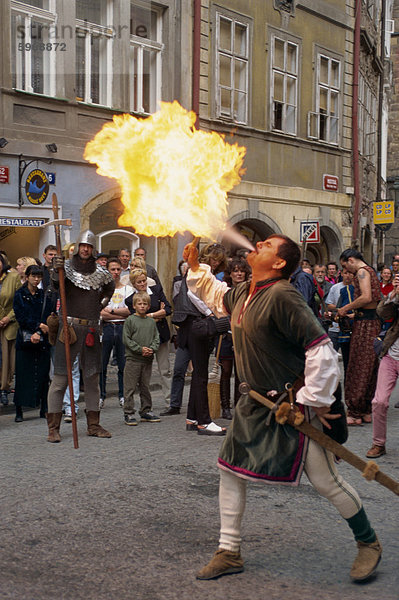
(136, 516)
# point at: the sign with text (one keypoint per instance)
(383, 212)
(21, 222)
(4, 175)
(310, 232)
(36, 186)
(330, 183)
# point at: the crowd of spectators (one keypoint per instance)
(28, 298)
(344, 298)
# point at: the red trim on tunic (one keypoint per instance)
(317, 341)
(257, 289)
(292, 479)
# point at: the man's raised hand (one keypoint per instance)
(190, 255)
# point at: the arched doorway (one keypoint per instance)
(103, 221)
(113, 240)
(254, 230)
(329, 248)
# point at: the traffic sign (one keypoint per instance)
(310, 232)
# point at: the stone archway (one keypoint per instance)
(254, 229)
(332, 241)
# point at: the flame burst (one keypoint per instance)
(173, 177)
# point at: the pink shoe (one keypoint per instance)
(367, 419)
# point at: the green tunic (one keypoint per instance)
(271, 336)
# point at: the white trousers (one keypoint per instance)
(322, 474)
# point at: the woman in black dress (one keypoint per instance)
(32, 363)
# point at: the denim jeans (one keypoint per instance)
(112, 335)
(179, 373)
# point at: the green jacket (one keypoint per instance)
(10, 284)
(139, 332)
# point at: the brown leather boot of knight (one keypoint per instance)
(53, 422)
(93, 426)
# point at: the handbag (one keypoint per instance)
(208, 327)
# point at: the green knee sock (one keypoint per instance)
(361, 527)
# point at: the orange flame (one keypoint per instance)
(173, 177)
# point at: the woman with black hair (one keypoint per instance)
(361, 375)
(32, 306)
(9, 283)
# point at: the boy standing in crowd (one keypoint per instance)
(141, 340)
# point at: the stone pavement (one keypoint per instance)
(135, 517)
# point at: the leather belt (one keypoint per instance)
(87, 322)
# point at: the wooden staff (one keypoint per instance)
(369, 469)
(61, 277)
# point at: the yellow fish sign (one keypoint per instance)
(383, 212)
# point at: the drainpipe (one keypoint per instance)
(196, 60)
(381, 235)
(355, 133)
(380, 105)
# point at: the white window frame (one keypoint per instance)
(367, 121)
(25, 13)
(315, 117)
(87, 29)
(285, 75)
(232, 115)
(140, 45)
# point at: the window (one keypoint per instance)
(145, 57)
(232, 63)
(284, 85)
(94, 38)
(323, 124)
(367, 120)
(32, 38)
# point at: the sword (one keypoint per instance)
(285, 414)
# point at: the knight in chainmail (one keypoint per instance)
(88, 286)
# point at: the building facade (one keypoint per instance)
(278, 77)
(67, 66)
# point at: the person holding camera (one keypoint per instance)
(339, 295)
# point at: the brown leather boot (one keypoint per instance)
(93, 426)
(223, 562)
(53, 422)
(366, 561)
